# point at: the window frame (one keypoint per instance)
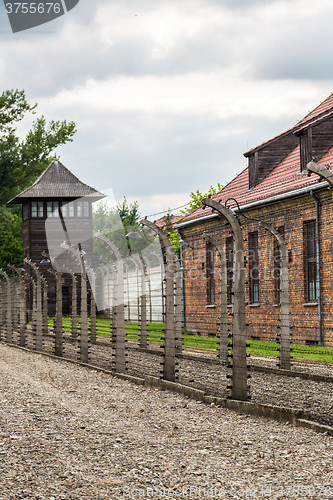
(54, 205)
(277, 266)
(253, 261)
(310, 261)
(210, 273)
(37, 209)
(229, 252)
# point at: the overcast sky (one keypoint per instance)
(167, 95)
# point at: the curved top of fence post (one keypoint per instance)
(163, 237)
(215, 243)
(231, 218)
(77, 255)
(323, 172)
(110, 243)
(3, 273)
(35, 268)
(279, 238)
(19, 273)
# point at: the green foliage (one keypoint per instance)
(129, 214)
(173, 235)
(115, 223)
(106, 218)
(21, 162)
(196, 198)
(195, 202)
(10, 238)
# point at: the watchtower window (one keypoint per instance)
(52, 209)
(68, 209)
(82, 209)
(37, 209)
(25, 211)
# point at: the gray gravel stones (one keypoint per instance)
(67, 432)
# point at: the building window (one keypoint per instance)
(210, 273)
(68, 209)
(310, 263)
(277, 266)
(82, 209)
(37, 209)
(253, 259)
(52, 209)
(25, 211)
(305, 148)
(230, 268)
(64, 209)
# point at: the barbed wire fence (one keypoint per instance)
(125, 341)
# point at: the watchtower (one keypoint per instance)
(57, 197)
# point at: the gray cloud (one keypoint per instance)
(180, 157)
(141, 154)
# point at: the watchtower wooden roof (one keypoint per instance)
(57, 182)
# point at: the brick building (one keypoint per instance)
(277, 188)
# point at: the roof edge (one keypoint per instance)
(254, 204)
(296, 130)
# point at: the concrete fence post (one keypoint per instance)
(74, 307)
(284, 337)
(142, 319)
(8, 302)
(92, 279)
(223, 320)
(119, 310)
(169, 364)
(38, 317)
(45, 306)
(238, 387)
(22, 307)
(58, 334)
(84, 338)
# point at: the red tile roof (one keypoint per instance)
(162, 221)
(284, 178)
(324, 110)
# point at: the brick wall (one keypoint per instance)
(202, 317)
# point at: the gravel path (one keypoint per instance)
(67, 432)
(314, 397)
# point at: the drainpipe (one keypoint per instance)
(181, 243)
(318, 281)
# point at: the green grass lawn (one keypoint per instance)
(256, 347)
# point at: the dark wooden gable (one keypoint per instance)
(315, 141)
(263, 159)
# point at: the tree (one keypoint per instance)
(195, 202)
(129, 214)
(10, 238)
(106, 219)
(115, 223)
(196, 198)
(173, 235)
(21, 162)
